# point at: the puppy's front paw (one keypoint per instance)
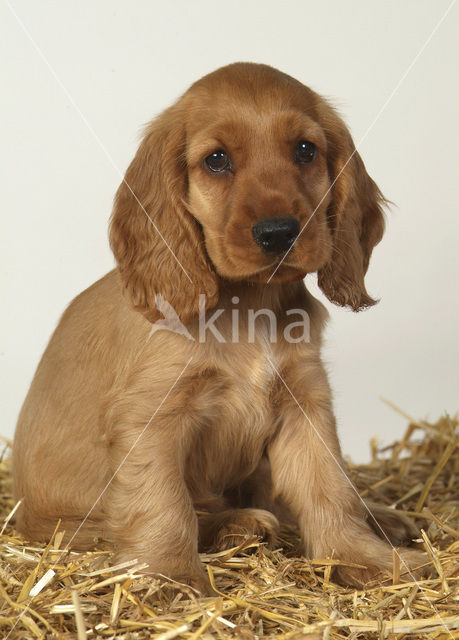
(413, 565)
(177, 570)
(197, 581)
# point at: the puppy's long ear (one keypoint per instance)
(355, 217)
(159, 247)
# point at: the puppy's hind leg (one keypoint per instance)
(390, 525)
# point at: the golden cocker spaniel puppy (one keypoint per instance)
(134, 420)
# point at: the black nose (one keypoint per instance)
(276, 235)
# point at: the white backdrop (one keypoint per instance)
(82, 77)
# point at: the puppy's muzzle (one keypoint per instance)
(276, 235)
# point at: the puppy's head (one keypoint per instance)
(249, 176)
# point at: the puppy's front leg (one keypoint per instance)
(149, 511)
(308, 473)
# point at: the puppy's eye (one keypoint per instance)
(304, 152)
(218, 161)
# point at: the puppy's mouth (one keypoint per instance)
(300, 276)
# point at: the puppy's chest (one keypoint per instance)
(238, 418)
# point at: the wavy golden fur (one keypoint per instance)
(243, 429)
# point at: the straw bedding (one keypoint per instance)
(48, 592)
